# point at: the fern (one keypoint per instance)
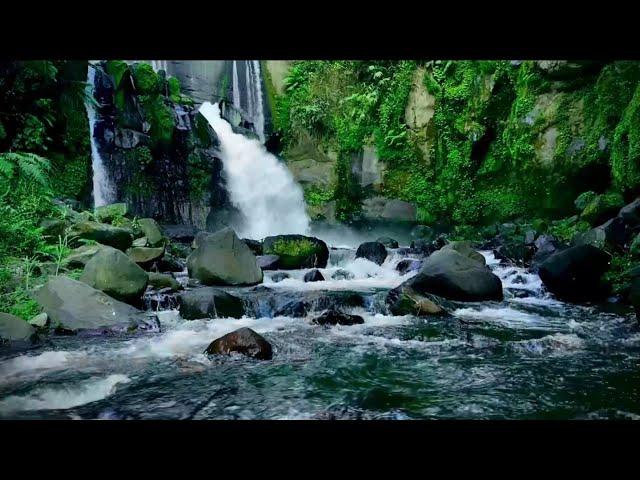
(29, 165)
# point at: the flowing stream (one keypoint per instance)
(529, 356)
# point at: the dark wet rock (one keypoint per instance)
(404, 251)
(268, 262)
(404, 300)
(297, 251)
(112, 272)
(115, 237)
(244, 341)
(163, 280)
(408, 265)
(223, 259)
(334, 317)
(74, 306)
(279, 276)
(342, 274)
(575, 274)
(209, 302)
(530, 237)
(14, 329)
(180, 233)
(545, 246)
(424, 247)
(300, 303)
(254, 245)
(372, 251)
(602, 208)
(424, 233)
(465, 249)
(169, 263)
(313, 276)
(630, 213)
(610, 235)
(634, 292)
(151, 230)
(449, 274)
(388, 242)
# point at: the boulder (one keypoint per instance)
(630, 213)
(388, 209)
(297, 251)
(79, 257)
(199, 238)
(610, 235)
(602, 208)
(313, 276)
(372, 251)
(575, 273)
(268, 262)
(223, 259)
(464, 248)
(40, 321)
(115, 237)
(388, 242)
(145, 256)
(278, 277)
(52, 227)
(584, 199)
(424, 247)
(449, 274)
(108, 213)
(180, 233)
(254, 245)
(634, 247)
(74, 306)
(408, 265)
(112, 272)
(163, 280)
(169, 263)
(151, 230)
(140, 242)
(341, 274)
(404, 300)
(334, 317)
(209, 302)
(244, 341)
(14, 329)
(422, 232)
(545, 245)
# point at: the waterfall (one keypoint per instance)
(102, 189)
(259, 184)
(236, 86)
(257, 106)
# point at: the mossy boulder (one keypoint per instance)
(297, 251)
(79, 257)
(465, 248)
(108, 213)
(404, 300)
(602, 208)
(584, 199)
(151, 230)
(53, 227)
(146, 80)
(223, 259)
(114, 273)
(145, 256)
(209, 302)
(115, 237)
(163, 280)
(74, 306)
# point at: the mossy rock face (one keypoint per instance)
(112, 272)
(116, 237)
(584, 199)
(602, 208)
(634, 248)
(151, 230)
(146, 80)
(297, 251)
(108, 213)
(163, 280)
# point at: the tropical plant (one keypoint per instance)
(26, 165)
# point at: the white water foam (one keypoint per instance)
(38, 364)
(259, 184)
(64, 397)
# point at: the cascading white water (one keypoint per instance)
(260, 186)
(102, 189)
(236, 86)
(257, 109)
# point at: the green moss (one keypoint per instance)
(293, 248)
(317, 196)
(625, 154)
(567, 228)
(147, 81)
(160, 117)
(117, 70)
(584, 199)
(602, 206)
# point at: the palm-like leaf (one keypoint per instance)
(27, 164)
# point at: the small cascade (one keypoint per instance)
(236, 86)
(259, 184)
(103, 191)
(247, 97)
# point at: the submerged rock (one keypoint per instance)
(75, 306)
(404, 300)
(115, 237)
(408, 265)
(372, 251)
(313, 276)
(341, 274)
(209, 302)
(14, 329)
(575, 273)
(297, 251)
(449, 274)
(334, 317)
(223, 259)
(115, 274)
(244, 341)
(278, 277)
